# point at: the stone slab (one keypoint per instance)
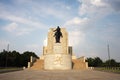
(57, 48)
(57, 62)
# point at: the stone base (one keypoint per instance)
(57, 62)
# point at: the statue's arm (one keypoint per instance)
(54, 30)
(54, 35)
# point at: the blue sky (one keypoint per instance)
(91, 24)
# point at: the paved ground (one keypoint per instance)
(59, 75)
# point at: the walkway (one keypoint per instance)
(59, 75)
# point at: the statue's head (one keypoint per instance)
(58, 27)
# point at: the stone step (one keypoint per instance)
(38, 65)
(77, 64)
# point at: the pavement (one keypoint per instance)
(59, 75)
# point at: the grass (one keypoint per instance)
(113, 69)
(4, 70)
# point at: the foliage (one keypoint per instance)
(90, 62)
(97, 62)
(111, 63)
(15, 59)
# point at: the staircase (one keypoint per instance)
(38, 65)
(78, 64)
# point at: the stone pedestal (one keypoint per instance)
(56, 56)
(57, 49)
(57, 62)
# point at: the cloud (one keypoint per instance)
(90, 11)
(33, 47)
(68, 7)
(115, 4)
(21, 20)
(16, 29)
(98, 8)
(75, 38)
(76, 21)
(93, 8)
(23, 31)
(38, 12)
(42, 8)
(98, 3)
(52, 11)
(11, 27)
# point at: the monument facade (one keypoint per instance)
(56, 54)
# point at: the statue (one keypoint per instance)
(58, 34)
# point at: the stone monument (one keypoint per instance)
(56, 54)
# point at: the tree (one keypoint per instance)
(111, 63)
(3, 58)
(90, 62)
(97, 62)
(15, 59)
(94, 62)
(26, 57)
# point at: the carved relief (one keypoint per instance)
(58, 60)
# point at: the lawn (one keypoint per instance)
(108, 69)
(9, 69)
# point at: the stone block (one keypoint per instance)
(58, 48)
(57, 62)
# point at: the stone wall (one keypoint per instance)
(57, 62)
(51, 41)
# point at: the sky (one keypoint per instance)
(91, 25)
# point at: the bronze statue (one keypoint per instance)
(58, 34)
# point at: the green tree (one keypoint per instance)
(3, 58)
(94, 62)
(26, 57)
(111, 63)
(15, 59)
(97, 62)
(90, 62)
